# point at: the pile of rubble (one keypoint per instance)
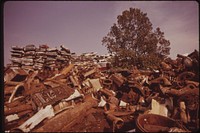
(81, 97)
(31, 57)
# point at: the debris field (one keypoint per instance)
(51, 90)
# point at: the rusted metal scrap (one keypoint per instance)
(118, 79)
(107, 92)
(161, 80)
(27, 126)
(18, 109)
(117, 122)
(51, 96)
(107, 83)
(68, 118)
(18, 89)
(89, 73)
(17, 75)
(43, 88)
(30, 78)
(181, 78)
(156, 123)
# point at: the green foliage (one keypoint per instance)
(133, 41)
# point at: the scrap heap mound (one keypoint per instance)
(48, 90)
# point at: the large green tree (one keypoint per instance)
(132, 41)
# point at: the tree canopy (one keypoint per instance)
(132, 41)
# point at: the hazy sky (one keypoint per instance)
(81, 25)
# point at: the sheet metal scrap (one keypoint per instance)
(68, 118)
(29, 47)
(31, 57)
(17, 75)
(51, 96)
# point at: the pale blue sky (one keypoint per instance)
(81, 25)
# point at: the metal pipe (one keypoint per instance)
(117, 122)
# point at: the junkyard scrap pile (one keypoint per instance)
(49, 90)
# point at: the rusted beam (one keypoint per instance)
(17, 109)
(67, 69)
(63, 121)
(13, 104)
(89, 73)
(12, 83)
(74, 82)
(107, 92)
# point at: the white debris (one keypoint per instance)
(157, 108)
(13, 117)
(76, 94)
(122, 104)
(102, 103)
